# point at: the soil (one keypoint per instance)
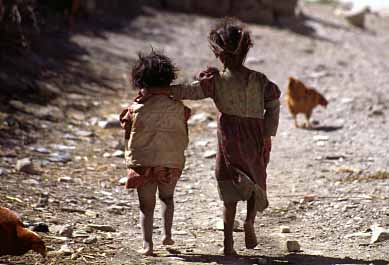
(325, 183)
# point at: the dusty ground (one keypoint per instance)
(343, 162)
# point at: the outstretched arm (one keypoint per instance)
(204, 88)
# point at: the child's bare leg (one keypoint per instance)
(146, 195)
(249, 231)
(229, 218)
(166, 193)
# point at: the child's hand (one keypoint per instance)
(266, 149)
(206, 77)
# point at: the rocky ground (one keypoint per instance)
(328, 185)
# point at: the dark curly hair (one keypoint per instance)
(230, 38)
(153, 70)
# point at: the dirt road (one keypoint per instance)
(341, 168)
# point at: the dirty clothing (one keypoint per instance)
(156, 136)
(247, 114)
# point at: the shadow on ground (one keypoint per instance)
(295, 259)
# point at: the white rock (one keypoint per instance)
(109, 123)
(60, 157)
(378, 234)
(90, 240)
(284, 229)
(66, 230)
(118, 153)
(65, 179)
(106, 155)
(104, 228)
(31, 182)
(25, 165)
(219, 225)
(123, 181)
(320, 138)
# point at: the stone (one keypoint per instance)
(60, 157)
(82, 133)
(90, 240)
(292, 246)
(31, 182)
(41, 150)
(118, 153)
(378, 234)
(219, 225)
(65, 179)
(111, 122)
(320, 138)
(66, 250)
(115, 209)
(284, 229)
(91, 213)
(66, 230)
(104, 228)
(25, 165)
(43, 201)
(48, 90)
(209, 154)
(62, 147)
(309, 197)
(123, 181)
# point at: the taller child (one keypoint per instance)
(249, 107)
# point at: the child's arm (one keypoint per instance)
(272, 107)
(126, 122)
(204, 88)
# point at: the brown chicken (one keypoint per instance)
(301, 99)
(15, 239)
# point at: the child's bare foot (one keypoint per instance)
(249, 236)
(167, 241)
(147, 249)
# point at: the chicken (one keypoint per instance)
(14, 238)
(301, 99)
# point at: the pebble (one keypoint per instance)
(123, 181)
(91, 213)
(292, 245)
(209, 154)
(219, 225)
(284, 229)
(82, 133)
(66, 250)
(65, 179)
(90, 240)
(42, 150)
(60, 157)
(62, 147)
(32, 182)
(116, 209)
(320, 138)
(66, 230)
(2, 172)
(379, 234)
(118, 153)
(109, 123)
(106, 155)
(104, 228)
(25, 165)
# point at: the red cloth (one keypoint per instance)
(137, 177)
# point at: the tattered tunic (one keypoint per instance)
(247, 114)
(156, 136)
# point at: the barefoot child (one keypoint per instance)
(156, 137)
(248, 105)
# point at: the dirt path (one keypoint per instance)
(348, 65)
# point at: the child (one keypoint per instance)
(249, 112)
(156, 137)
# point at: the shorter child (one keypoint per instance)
(156, 136)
